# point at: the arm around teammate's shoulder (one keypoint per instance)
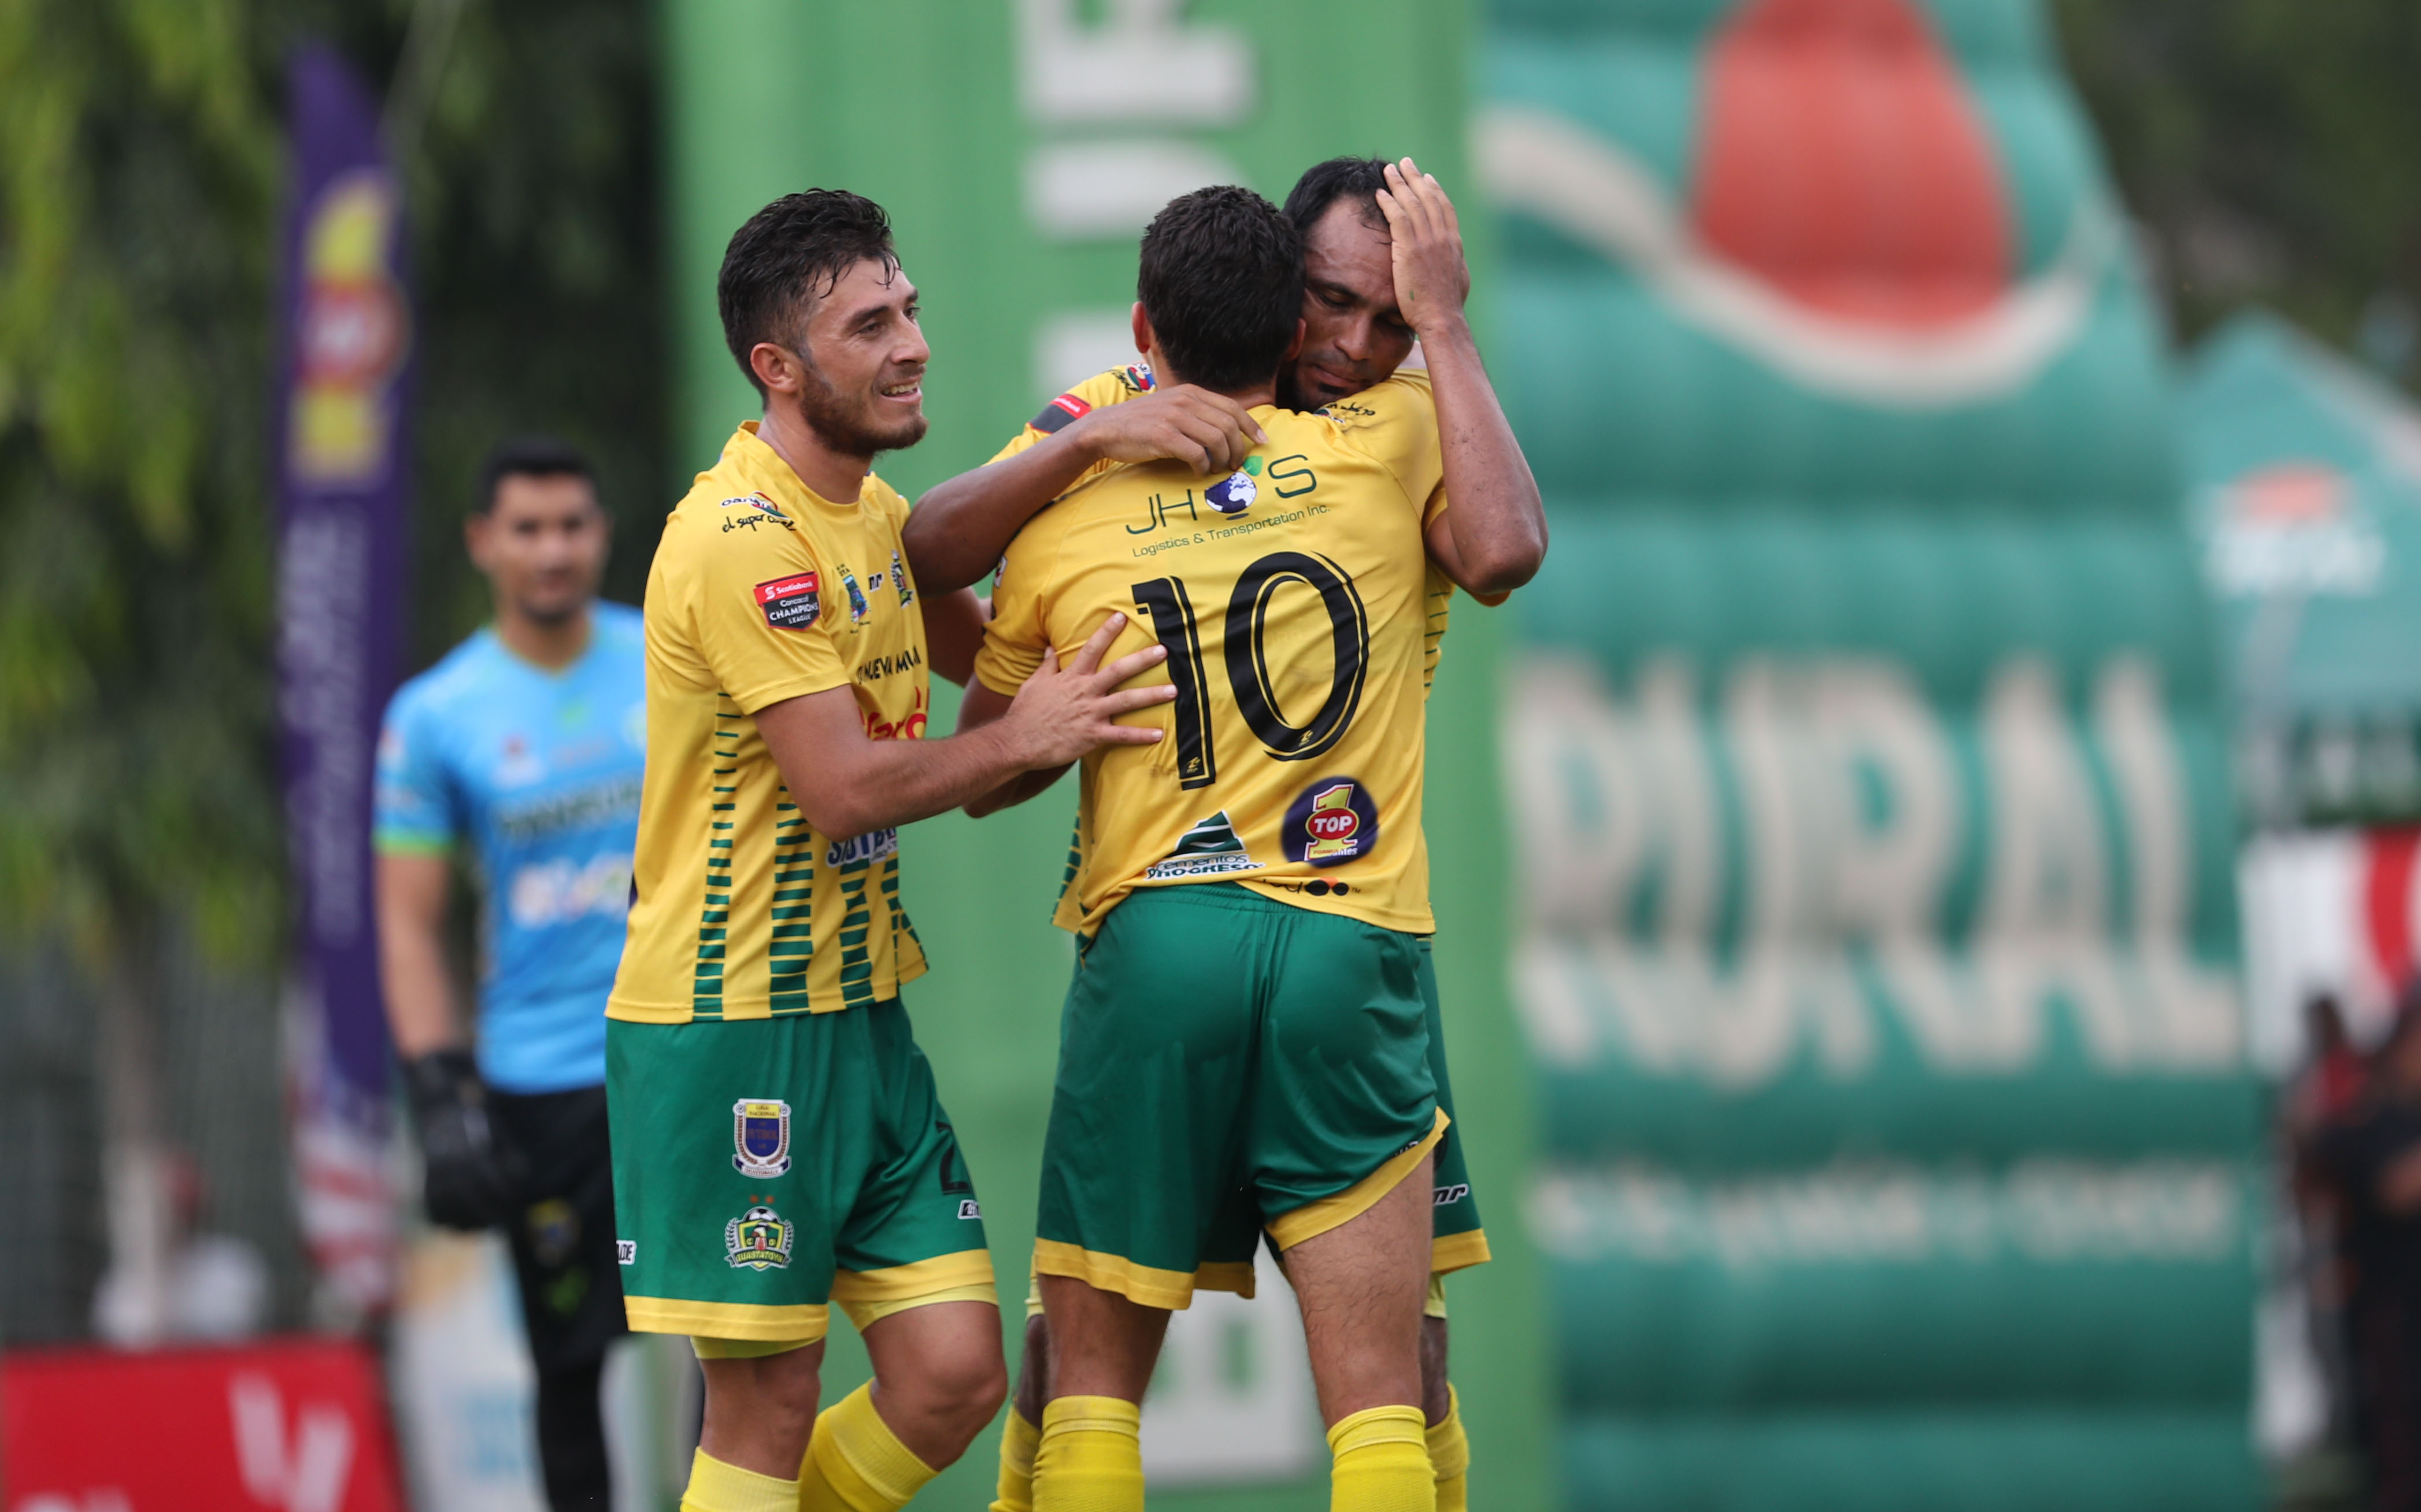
(849, 785)
(959, 529)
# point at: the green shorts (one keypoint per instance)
(1456, 1239)
(1228, 1064)
(765, 1168)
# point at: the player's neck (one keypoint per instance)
(1264, 393)
(835, 475)
(550, 643)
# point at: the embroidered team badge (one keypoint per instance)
(760, 1137)
(793, 602)
(858, 607)
(1333, 820)
(758, 1240)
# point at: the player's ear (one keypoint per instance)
(775, 366)
(1294, 348)
(1142, 323)
(476, 526)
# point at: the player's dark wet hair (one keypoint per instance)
(794, 249)
(1221, 280)
(1355, 181)
(527, 456)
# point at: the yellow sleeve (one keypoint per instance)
(1115, 386)
(1395, 423)
(1018, 633)
(759, 607)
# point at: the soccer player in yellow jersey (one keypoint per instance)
(1356, 334)
(777, 1141)
(1244, 1045)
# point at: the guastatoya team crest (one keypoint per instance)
(758, 1240)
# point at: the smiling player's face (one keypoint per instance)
(863, 388)
(1353, 335)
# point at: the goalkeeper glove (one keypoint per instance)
(472, 1180)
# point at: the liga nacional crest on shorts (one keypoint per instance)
(758, 1240)
(760, 1137)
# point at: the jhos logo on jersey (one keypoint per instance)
(1288, 476)
(1334, 821)
(760, 1137)
(1234, 493)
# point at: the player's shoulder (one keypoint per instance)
(1114, 385)
(462, 678)
(1403, 399)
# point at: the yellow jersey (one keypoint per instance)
(763, 591)
(1289, 596)
(1122, 383)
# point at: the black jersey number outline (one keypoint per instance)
(1248, 656)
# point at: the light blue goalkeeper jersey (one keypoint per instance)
(539, 772)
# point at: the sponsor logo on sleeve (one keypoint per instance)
(970, 1208)
(1060, 413)
(758, 1240)
(760, 1137)
(626, 1251)
(793, 602)
(1449, 1196)
(1333, 822)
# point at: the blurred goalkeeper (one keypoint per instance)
(527, 741)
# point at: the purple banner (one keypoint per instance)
(345, 338)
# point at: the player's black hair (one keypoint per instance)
(1356, 180)
(527, 456)
(1221, 280)
(797, 247)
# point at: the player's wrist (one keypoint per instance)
(1446, 327)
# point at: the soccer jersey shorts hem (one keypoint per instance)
(765, 1170)
(1288, 1085)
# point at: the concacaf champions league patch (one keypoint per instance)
(792, 602)
(760, 1137)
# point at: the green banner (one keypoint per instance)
(1872, 830)
(1021, 145)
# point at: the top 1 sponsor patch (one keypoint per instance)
(792, 602)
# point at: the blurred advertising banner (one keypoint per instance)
(1867, 776)
(346, 329)
(283, 1426)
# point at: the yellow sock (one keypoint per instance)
(1450, 1455)
(855, 1463)
(1017, 1439)
(715, 1486)
(1382, 1462)
(1090, 1457)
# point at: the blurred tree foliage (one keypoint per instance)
(2273, 151)
(141, 167)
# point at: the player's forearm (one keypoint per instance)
(1498, 521)
(890, 783)
(959, 529)
(420, 1010)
